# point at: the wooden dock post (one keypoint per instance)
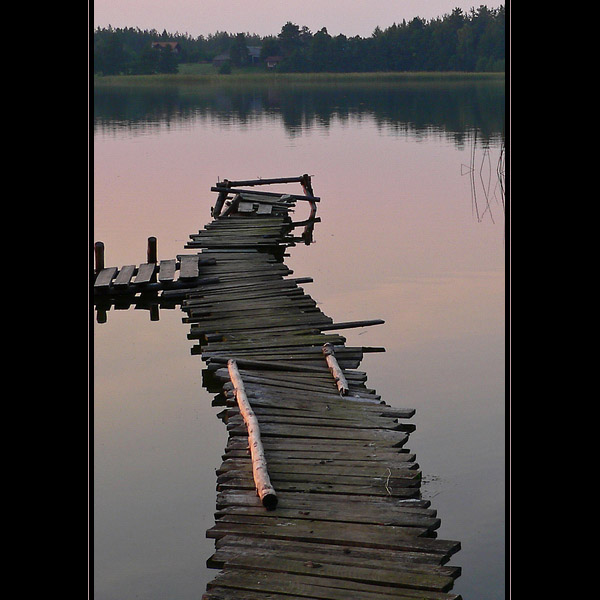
(99, 256)
(264, 488)
(152, 250)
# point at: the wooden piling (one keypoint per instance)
(152, 250)
(99, 256)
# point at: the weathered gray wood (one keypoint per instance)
(276, 563)
(234, 420)
(264, 209)
(305, 500)
(391, 489)
(354, 534)
(334, 554)
(124, 276)
(167, 270)
(266, 181)
(145, 273)
(356, 513)
(189, 266)
(105, 277)
(268, 194)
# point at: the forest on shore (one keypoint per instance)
(459, 41)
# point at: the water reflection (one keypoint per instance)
(421, 251)
(486, 171)
(412, 109)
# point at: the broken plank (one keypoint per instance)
(124, 276)
(166, 270)
(105, 277)
(189, 266)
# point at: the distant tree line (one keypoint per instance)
(473, 41)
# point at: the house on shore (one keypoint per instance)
(253, 54)
(163, 45)
(273, 61)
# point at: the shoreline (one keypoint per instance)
(297, 78)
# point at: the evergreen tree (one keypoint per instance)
(148, 61)
(238, 51)
(454, 42)
(167, 62)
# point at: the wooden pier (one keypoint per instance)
(318, 495)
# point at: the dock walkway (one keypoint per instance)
(318, 496)
(348, 521)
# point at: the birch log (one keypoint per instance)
(265, 490)
(335, 369)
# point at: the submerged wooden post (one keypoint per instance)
(307, 235)
(335, 369)
(216, 212)
(264, 488)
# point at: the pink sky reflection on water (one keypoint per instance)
(398, 240)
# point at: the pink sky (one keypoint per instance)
(265, 17)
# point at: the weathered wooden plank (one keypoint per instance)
(380, 510)
(258, 321)
(264, 209)
(124, 276)
(358, 422)
(366, 515)
(223, 307)
(275, 390)
(244, 365)
(268, 194)
(320, 411)
(105, 277)
(245, 206)
(324, 453)
(309, 384)
(281, 343)
(329, 405)
(384, 479)
(344, 442)
(365, 469)
(220, 593)
(372, 489)
(418, 562)
(317, 587)
(291, 353)
(189, 266)
(167, 269)
(268, 561)
(396, 439)
(304, 501)
(145, 273)
(352, 534)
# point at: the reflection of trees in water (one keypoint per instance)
(486, 175)
(452, 110)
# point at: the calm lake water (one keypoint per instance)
(411, 178)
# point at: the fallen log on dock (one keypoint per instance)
(265, 490)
